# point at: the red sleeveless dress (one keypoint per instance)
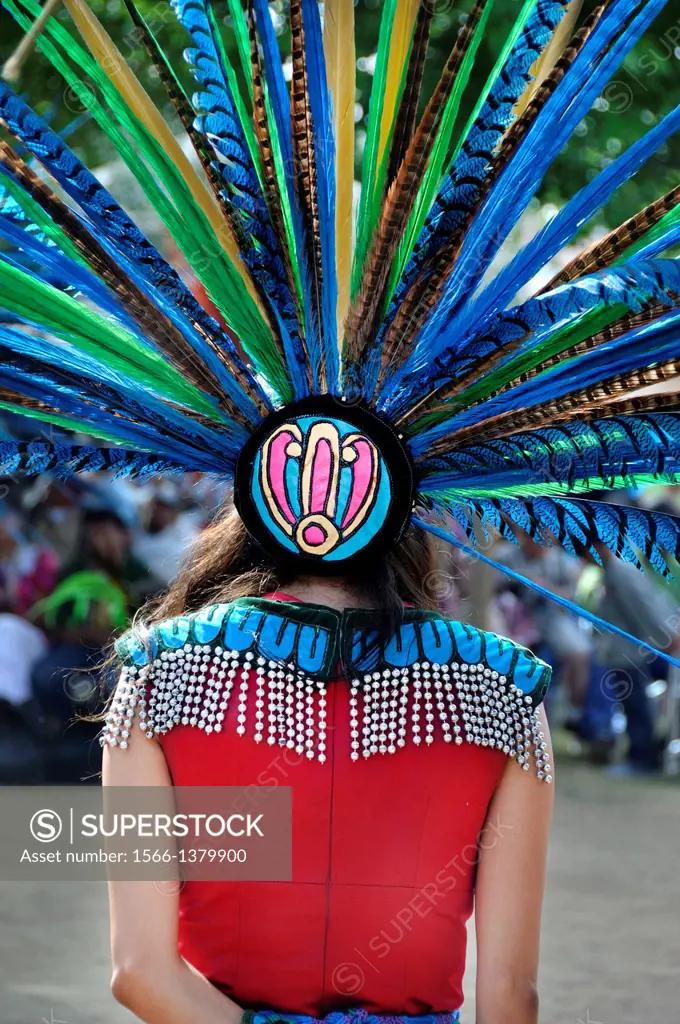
(384, 853)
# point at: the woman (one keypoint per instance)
(374, 379)
(375, 914)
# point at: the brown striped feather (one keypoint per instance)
(597, 400)
(603, 253)
(270, 183)
(305, 170)
(367, 308)
(407, 113)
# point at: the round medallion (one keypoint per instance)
(324, 482)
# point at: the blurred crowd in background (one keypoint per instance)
(79, 557)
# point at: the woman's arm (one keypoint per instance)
(509, 897)
(149, 976)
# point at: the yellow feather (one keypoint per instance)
(340, 52)
(400, 43)
(552, 53)
(112, 62)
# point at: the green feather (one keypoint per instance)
(668, 221)
(240, 27)
(40, 304)
(369, 166)
(552, 487)
(81, 426)
(433, 174)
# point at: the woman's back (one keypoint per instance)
(393, 743)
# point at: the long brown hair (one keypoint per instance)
(224, 563)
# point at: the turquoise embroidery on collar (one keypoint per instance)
(314, 639)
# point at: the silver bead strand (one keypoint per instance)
(202, 663)
(384, 710)
(210, 701)
(354, 720)
(375, 713)
(404, 694)
(188, 680)
(178, 679)
(427, 701)
(227, 682)
(281, 705)
(526, 711)
(152, 699)
(272, 702)
(259, 701)
(308, 736)
(322, 703)
(543, 769)
(415, 706)
(367, 724)
(495, 710)
(168, 683)
(487, 707)
(450, 676)
(243, 696)
(395, 676)
(116, 731)
(439, 699)
(463, 694)
(289, 713)
(301, 727)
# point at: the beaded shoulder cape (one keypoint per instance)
(431, 679)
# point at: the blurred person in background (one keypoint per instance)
(100, 588)
(561, 638)
(165, 533)
(637, 603)
(28, 571)
(53, 508)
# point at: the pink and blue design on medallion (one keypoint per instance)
(321, 487)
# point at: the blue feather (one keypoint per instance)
(61, 270)
(577, 524)
(88, 380)
(531, 323)
(324, 152)
(135, 422)
(651, 343)
(219, 122)
(33, 457)
(668, 240)
(519, 181)
(464, 180)
(563, 602)
(548, 134)
(560, 458)
(564, 225)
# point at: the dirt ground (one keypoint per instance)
(611, 948)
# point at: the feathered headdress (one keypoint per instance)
(358, 378)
